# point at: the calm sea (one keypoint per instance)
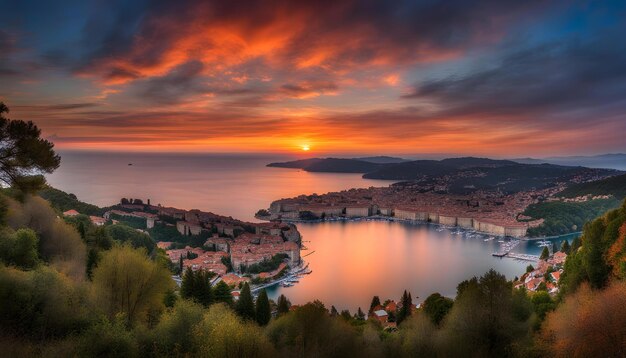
(351, 261)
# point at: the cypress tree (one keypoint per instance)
(375, 302)
(180, 264)
(283, 304)
(203, 292)
(405, 310)
(245, 304)
(221, 293)
(545, 253)
(565, 247)
(360, 315)
(554, 247)
(187, 287)
(263, 310)
(333, 311)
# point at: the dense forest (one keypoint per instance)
(68, 288)
(565, 217)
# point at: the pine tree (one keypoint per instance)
(187, 287)
(375, 302)
(203, 294)
(283, 305)
(405, 310)
(360, 315)
(333, 311)
(221, 293)
(565, 248)
(263, 310)
(545, 253)
(245, 304)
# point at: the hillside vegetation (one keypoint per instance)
(566, 217)
(615, 185)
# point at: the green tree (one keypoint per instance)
(222, 334)
(221, 293)
(542, 304)
(187, 285)
(202, 290)
(406, 305)
(486, 319)
(127, 282)
(545, 253)
(360, 315)
(24, 156)
(263, 310)
(565, 247)
(593, 253)
(333, 311)
(245, 304)
(19, 248)
(437, 307)
(283, 305)
(375, 302)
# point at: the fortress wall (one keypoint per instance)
(422, 216)
(467, 223)
(448, 220)
(491, 228)
(357, 212)
(405, 214)
(516, 231)
(433, 217)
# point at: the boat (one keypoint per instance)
(286, 284)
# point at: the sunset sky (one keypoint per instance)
(496, 78)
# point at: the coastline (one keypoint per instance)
(394, 219)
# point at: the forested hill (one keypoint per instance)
(464, 174)
(331, 165)
(615, 186)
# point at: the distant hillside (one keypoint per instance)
(411, 170)
(466, 174)
(383, 160)
(610, 161)
(615, 186)
(472, 162)
(63, 201)
(331, 165)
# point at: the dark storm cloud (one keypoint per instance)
(129, 39)
(174, 87)
(551, 77)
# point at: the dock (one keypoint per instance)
(524, 257)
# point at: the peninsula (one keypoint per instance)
(486, 195)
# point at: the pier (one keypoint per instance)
(524, 257)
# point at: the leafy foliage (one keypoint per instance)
(564, 217)
(126, 281)
(24, 155)
(63, 202)
(262, 308)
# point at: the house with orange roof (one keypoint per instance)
(71, 213)
(98, 221)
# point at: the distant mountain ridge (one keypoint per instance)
(615, 185)
(609, 161)
(465, 173)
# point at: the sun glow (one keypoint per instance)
(306, 147)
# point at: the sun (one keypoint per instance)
(306, 147)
